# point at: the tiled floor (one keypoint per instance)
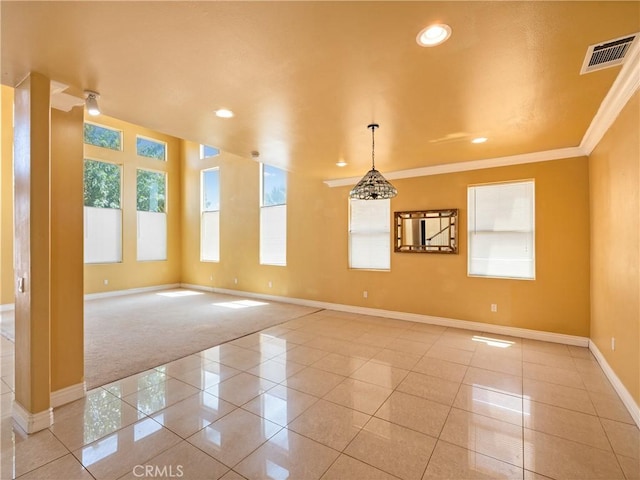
(341, 396)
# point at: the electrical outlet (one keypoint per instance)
(211, 277)
(106, 281)
(365, 294)
(613, 343)
(494, 307)
(235, 280)
(270, 284)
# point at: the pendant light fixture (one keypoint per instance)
(92, 102)
(373, 185)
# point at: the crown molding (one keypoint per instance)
(534, 157)
(626, 84)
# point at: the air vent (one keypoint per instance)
(607, 54)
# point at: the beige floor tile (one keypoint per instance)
(183, 364)
(414, 412)
(624, 438)
(441, 368)
(419, 336)
(497, 362)
(559, 376)
(329, 424)
(246, 359)
(568, 424)
(6, 404)
(301, 354)
(313, 381)
(323, 343)
(346, 467)
(453, 462)
(374, 340)
(358, 350)
(393, 358)
(232, 475)
(67, 467)
(280, 404)
(611, 407)
(580, 352)
(409, 346)
(392, 448)
(82, 422)
(630, 467)
(597, 382)
(449, 354)
(549, 359)
(288, 455)
(295, 337)
(495, 438)
(241, 388)
(556, 457)
(339, 364)
(379, 374)
(207, 376)
(558, 395)
(499, 382)
(117, 454)
(546, 347)
(428, 328)
(161, 395)
(529, 475)
(362, 396)
(275, 371)
(134, 383)
(271, 347)
(22, 453)
(180, 461)
(587, 365)
(490, 403)
(431, 388)
(193, 413)
(234, 436)
(460, 342)
(248, 341)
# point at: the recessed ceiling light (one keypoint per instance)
(341, 163)
(433, 35)
(479, 140)
(224, 113)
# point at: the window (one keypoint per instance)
(146, 147)
(501, 230)
(370, 234)
(152, 217)
(210, 216)
(207, 151)
(102, 212)
(273, 216)
(102, 136)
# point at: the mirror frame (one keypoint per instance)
(451, 214)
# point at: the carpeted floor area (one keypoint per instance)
(129, 334)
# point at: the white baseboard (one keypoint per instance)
(130, 291)
(621, 390)
(32, 422)
(68, 394)
(412, 317)
(7, 307)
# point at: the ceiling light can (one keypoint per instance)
(433, 35)
(224, 113)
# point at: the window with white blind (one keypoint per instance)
(210, 216)
(151, 199)
(102, 212)
(501, 228)
(370, 234)
(273, 215)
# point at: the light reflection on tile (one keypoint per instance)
(280, 405)
(159, 396)
(67, 467)
(288, 456)
(346, 467)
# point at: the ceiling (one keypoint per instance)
(306, 78)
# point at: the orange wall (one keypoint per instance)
(130, 273)
(437, 285)
(6, 196)
(614, 169)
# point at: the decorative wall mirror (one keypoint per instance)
(427, 231)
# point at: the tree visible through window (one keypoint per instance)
(151, 188)
(101, 184)
(102, 136)
(146, 147)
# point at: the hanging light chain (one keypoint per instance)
(373, 127)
